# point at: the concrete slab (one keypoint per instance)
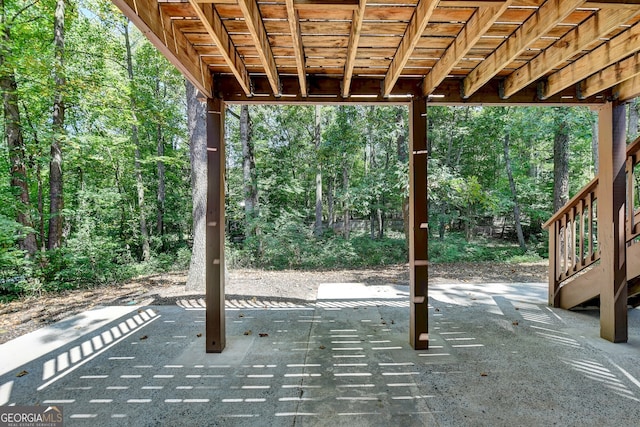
(498, 357)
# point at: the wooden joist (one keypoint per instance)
(616, 49)
(478, 25)
(627, 90)
(145, 14)
(546, 17)
(298, 49)
(610, 76)
(352, 50)
(254, 22)
(409, 41)
(212, 23)
(598, 25)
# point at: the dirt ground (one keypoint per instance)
(28, 314)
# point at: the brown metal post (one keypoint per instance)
(418, 228)
(215, 320)
(611, 220)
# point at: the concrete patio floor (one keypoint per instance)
(498, 357)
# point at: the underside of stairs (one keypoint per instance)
(584, 290)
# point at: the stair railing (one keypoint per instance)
(633, 193)
(573, 241)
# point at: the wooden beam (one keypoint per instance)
(354, 39)
(298, 48)
(581, 289)
(325, 89)
(150, 23)
(596, 26)
(610, 76)
(326, 4)
(614, 50)
(610, 3)
(538, 24)
(477, 25)
(627, 90)
(214, 269)
(253, 19)
(411, 37)
(612, 156)
(212, 23)
(418, 231)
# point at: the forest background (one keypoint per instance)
(102, 179)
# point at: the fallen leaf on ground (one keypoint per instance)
(21, 373)
(144, 337)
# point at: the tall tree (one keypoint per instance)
(55, 165)
(317, 139)
(560, 159)
(144, 232)
(197, 127)
(248, 169)
(13, 132)
(514, 193)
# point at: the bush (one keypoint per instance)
(455, 248)
(16, 269)
(290, 244)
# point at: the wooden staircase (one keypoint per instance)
(577, 275)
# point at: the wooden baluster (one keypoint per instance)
(581, 250)
(554, 264)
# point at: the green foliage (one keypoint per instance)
(288, 243)
(455, 248)
(15, 268)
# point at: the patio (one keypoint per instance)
(499, 356)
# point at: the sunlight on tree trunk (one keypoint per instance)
(55, 165)
(14, 138)
(514, 194)
(249, 172)
(144, 232)
(317, 139)
(197, 127)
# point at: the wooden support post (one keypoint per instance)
(611, 220)
(215, 317)
(418, 229)
(554, 265)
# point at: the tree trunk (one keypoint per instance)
(634, 107)
(346, 217)
(594, 145)
(248, 171)
(403, 157)
(161, 186)
(15, 141)
(197, 126)
(560, 164)
(144, 232)
(317, 136)
(330, 202)
(41, 236)
(55, 166)
(514, 195)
